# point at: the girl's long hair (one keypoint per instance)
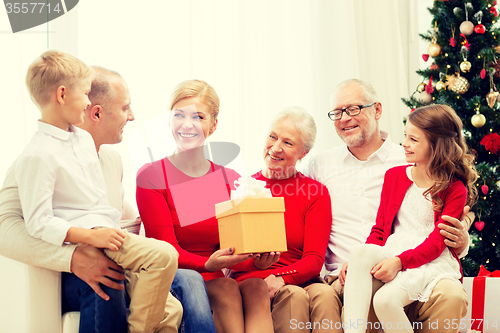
(449, 156)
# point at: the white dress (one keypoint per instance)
(414, 222)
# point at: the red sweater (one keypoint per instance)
(159, 185)
(396, 183)
(308, 220)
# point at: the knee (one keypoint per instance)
(318, 292)
(362, 253)
(223, 292)
(450, 294)
(382, 301)
(164, 254)
(255, 286)
(292, 293)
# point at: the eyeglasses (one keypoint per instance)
(352, 110)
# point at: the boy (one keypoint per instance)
(62, 189)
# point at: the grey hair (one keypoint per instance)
(369, 92)
(303, 121)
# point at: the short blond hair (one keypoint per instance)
(51, 70)
(199, 89)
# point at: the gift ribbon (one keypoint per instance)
(478, 291)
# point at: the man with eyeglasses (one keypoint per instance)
(354, 174)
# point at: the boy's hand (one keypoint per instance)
(265, 260)
(387, 269)
(107, 238)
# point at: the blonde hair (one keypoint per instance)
(197, 89)
(51, 70)
(449, 157)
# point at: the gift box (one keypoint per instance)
(252, 225)
(483, 312)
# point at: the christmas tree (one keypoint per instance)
(464, 57)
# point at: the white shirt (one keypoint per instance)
(61, 184)
(354, 188)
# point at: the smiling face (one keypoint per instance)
(416, 145)
(283, 148)
(76, 101)
(116, 113)
(191, 123)
(357, 130)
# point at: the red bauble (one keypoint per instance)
(479, 225)
(483, 73)
(494, 11)
(491, 142)
(425, 57)
(453, 42)
(479, 29)
(484, 189)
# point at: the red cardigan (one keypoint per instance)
(396, 183)
(161, 214)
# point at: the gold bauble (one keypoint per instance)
(460, 85)
(421, 87)
(467, 28)
(440, 85)
(491, 98)
(465, 66)
(478, 120)
(434, 50)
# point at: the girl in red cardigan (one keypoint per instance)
(405, 250)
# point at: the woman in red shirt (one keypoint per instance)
(298, 303)
(176, 197)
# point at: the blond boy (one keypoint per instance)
(63, 195)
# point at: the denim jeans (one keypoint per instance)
(189, 288)
(100, 316)
(96, 314)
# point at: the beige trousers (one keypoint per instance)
(304, 309)
(150, 267)
(447, 302)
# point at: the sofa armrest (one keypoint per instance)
(31, 298)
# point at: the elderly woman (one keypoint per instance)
(176, 197)
(298, 303)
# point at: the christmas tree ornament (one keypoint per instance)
(478, 120)
(491, 98)
(465, 42)
(483, 73)
(484, 189)
(429, 88)
(479, 28)
(434, 67)
(425, 57)
(479, 225)
(465, 66)
(434, 49)
(467, 27)
(425, 97)
(421, 87)
(453, 41)
(491, 142)
(458, 84)
(494, 11)
(457, 11)
(440, 86)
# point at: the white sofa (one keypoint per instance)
(30, 300)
